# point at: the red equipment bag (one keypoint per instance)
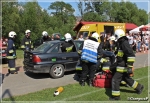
(103, 80)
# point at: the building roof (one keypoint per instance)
(129, 26)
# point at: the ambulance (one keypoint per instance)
(107, 28)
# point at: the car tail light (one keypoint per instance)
(36, 59)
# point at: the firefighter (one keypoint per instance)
(109, 48)
(68, 45)
(45, 37)
(112, 43)
(26, 43)
(125, 60)
(11, 53)
(106, 45)
(89, 64)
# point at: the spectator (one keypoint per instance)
(134, 45)
(146, 44)
(130, 39)
(81, 37)
(127, 35)
(138, 43)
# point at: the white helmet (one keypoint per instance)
(27, 31)
(68, 36)
(12, 34)
(44, 33)
(95, 35)
(112, 38)
(119, 33)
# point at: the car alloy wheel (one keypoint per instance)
(57, 71)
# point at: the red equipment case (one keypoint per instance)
(103, 80)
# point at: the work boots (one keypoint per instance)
(113, 98)
(139, 88)
(82, 83)
(90, 82)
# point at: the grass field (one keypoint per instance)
(19, 54)
(74, 92)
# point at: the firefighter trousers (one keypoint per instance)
(12, 66)
(88, 69)
(117, 77)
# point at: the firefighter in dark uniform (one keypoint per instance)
(26, 43)
(45, 37)
(109, 48)
(68, 45)
(89, 68)
(11, 53)
(125, 60)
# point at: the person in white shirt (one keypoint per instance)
(130, 39)
(81, 37)
(146, 44)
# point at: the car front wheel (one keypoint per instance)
(57, 71)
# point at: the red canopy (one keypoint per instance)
(130, 26)
(145, 28)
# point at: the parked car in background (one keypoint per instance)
(48, 58)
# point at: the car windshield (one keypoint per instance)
(84, 33)
(44, 47)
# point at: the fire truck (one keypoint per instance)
(3, 49)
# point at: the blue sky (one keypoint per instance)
(141, 4)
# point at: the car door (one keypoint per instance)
(78, 43)
(69, 60)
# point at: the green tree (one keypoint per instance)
(10, 18)
(81, 7)
(62, 19)
(33, 19)
(92, 16)
(62, 10)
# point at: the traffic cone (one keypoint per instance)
(58, 91)
(131, 75)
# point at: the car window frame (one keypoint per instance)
(77, 48)
(51, 49)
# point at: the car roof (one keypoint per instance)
(58, 41)
(55, 41)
